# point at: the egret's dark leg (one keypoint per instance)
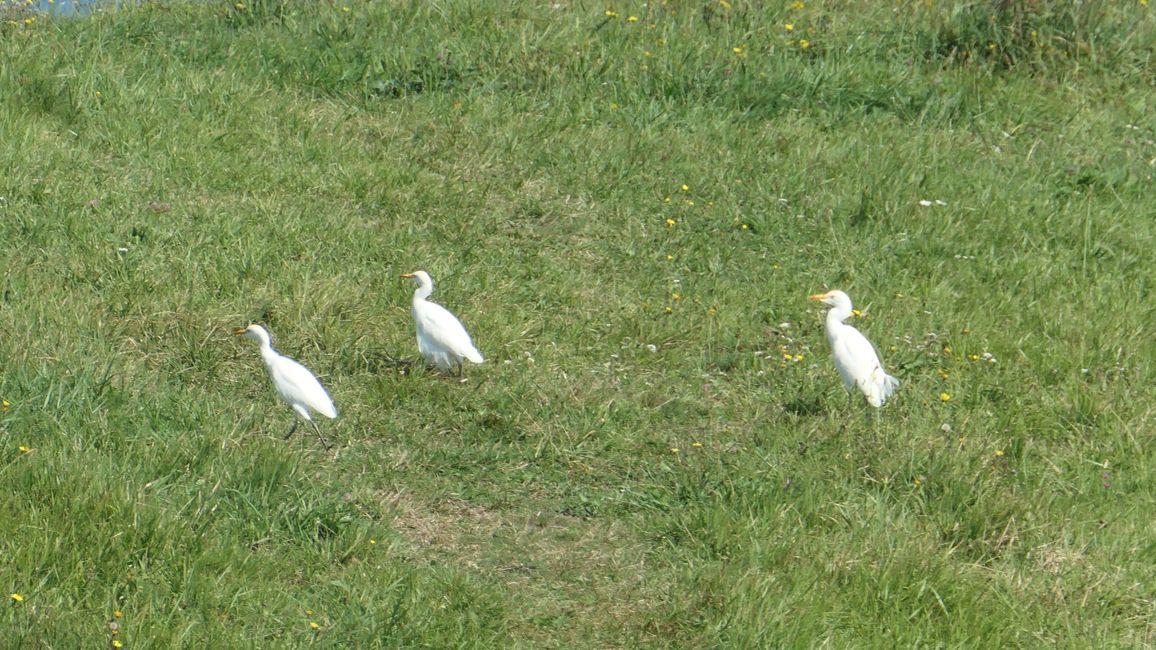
(291, 429)
(321, 437)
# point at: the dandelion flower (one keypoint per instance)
(669, 310)
(745, 226)
(4, 404)
(696, 444)
(856, 313)
(632, 19)
(973, 357)
(711, 311)
(670, 222)
(16, 598)
(666, 200)
(798, 358)
(943, 374)
(790, 27)
(117, 644)
(314, 626)
(25, 450)
(796, 5)
(944, 397)
(739, 50)
(676, 296)
(118, 614)
(685, 187)
(610, 13)
(804, 44)
(674, 450)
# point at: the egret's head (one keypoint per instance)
(421, 277)
(834, 298)
(255, 332)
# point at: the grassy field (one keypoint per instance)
(628, 206)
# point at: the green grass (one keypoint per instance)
(171, 171)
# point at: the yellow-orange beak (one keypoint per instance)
(240, 330)
(819, 296)
(406, 276)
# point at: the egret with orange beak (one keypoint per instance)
(292, 381)
(442, 340)
(855, 358)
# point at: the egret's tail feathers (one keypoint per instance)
(474, 355)
(880, 387)
(328, 410)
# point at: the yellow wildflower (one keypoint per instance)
(798, 357)
(696, 444)
(610, 13)
(16, 598)
(999, 453)
(724, 4)
(670, 222)
(711, 311)
(632, 19)
(117, 644)
(685, 187)
(675, 296)
(790, 27)
(856, 313)
(669, 258)
(674, 450)
(25, 450)
(944, 397)
(4, 404)
(372, 541)
(118, 614)
(314, 626)
(804, 43)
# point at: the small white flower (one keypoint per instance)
(925, 203)
(652, 347)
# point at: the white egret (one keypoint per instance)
(855, 358)
(441, 337)
(293, 382)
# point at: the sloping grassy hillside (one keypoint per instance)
(628, 206)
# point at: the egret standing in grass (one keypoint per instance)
(855, 358)
(441, 337)
(293, 382)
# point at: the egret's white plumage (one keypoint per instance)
(292, 381)
(441, 337)
(855, 358)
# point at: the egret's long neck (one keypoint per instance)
(422, 292)
(837, 315)
(268, 354)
